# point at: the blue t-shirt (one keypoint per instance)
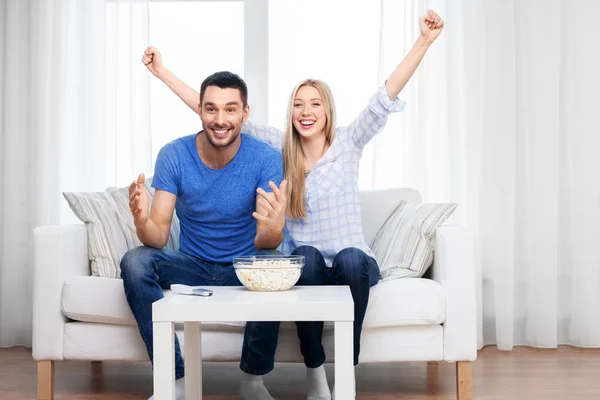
(215, 206)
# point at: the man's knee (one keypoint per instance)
(137, 262)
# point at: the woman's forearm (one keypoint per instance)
(406, 69)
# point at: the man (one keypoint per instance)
(217, 180)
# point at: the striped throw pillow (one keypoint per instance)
(405, 243)
(110, 228)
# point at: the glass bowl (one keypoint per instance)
(268, 273)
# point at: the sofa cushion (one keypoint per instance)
(403, 302)
(405, 244)
(392, 303)
(376, 206)
(102, 300)
(109, 223)
(89, 341)
(96, 299)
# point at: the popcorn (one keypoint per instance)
(269, 275)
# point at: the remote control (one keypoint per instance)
(194, 290)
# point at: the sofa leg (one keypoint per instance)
(464, 380)
(97, 368)
(45, 380)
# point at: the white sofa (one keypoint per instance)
(80, 317)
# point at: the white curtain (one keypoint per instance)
(66, 124)
(502, 119)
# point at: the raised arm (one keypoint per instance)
(373, 118)
(266, 133)
(153, 61)
(152, 228)
(431, 26)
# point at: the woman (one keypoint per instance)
(323, 212)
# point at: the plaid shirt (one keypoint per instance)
(332, 201)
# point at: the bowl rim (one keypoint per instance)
(247, 262)
(268, 257)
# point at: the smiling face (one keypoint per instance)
(309, 115)
(222, 113)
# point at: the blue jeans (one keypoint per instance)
(352, 267)
(146, 271)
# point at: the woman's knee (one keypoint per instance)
(353, 262)
(351, 256)
(313, 272)
(313, 259)
(307, 252)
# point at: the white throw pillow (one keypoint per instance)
(405, 243)
(110, 228)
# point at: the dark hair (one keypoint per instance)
(224, 80)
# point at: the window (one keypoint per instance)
(273, 45)
(338, 44)
(196, 39)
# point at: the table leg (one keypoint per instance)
(193, 360)
(164, 360)
(345, 388)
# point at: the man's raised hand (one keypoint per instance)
(138, 201)
(153, 60)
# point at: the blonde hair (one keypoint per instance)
(293, 156)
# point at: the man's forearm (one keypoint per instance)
(267, 239)
(405, 70)
(151, 235)
(186, 93)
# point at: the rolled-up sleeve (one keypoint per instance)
(373, 118)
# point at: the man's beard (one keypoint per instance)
(220, 145)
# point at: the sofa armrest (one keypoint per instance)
(59, 252)
(454, 269)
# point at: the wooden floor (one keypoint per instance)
(528, 374)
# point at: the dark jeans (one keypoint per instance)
(352, 267)
(146, 271)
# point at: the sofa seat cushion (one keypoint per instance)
(101, 300)
(406, 301)
(399, 302)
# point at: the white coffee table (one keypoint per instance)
(301, 303)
